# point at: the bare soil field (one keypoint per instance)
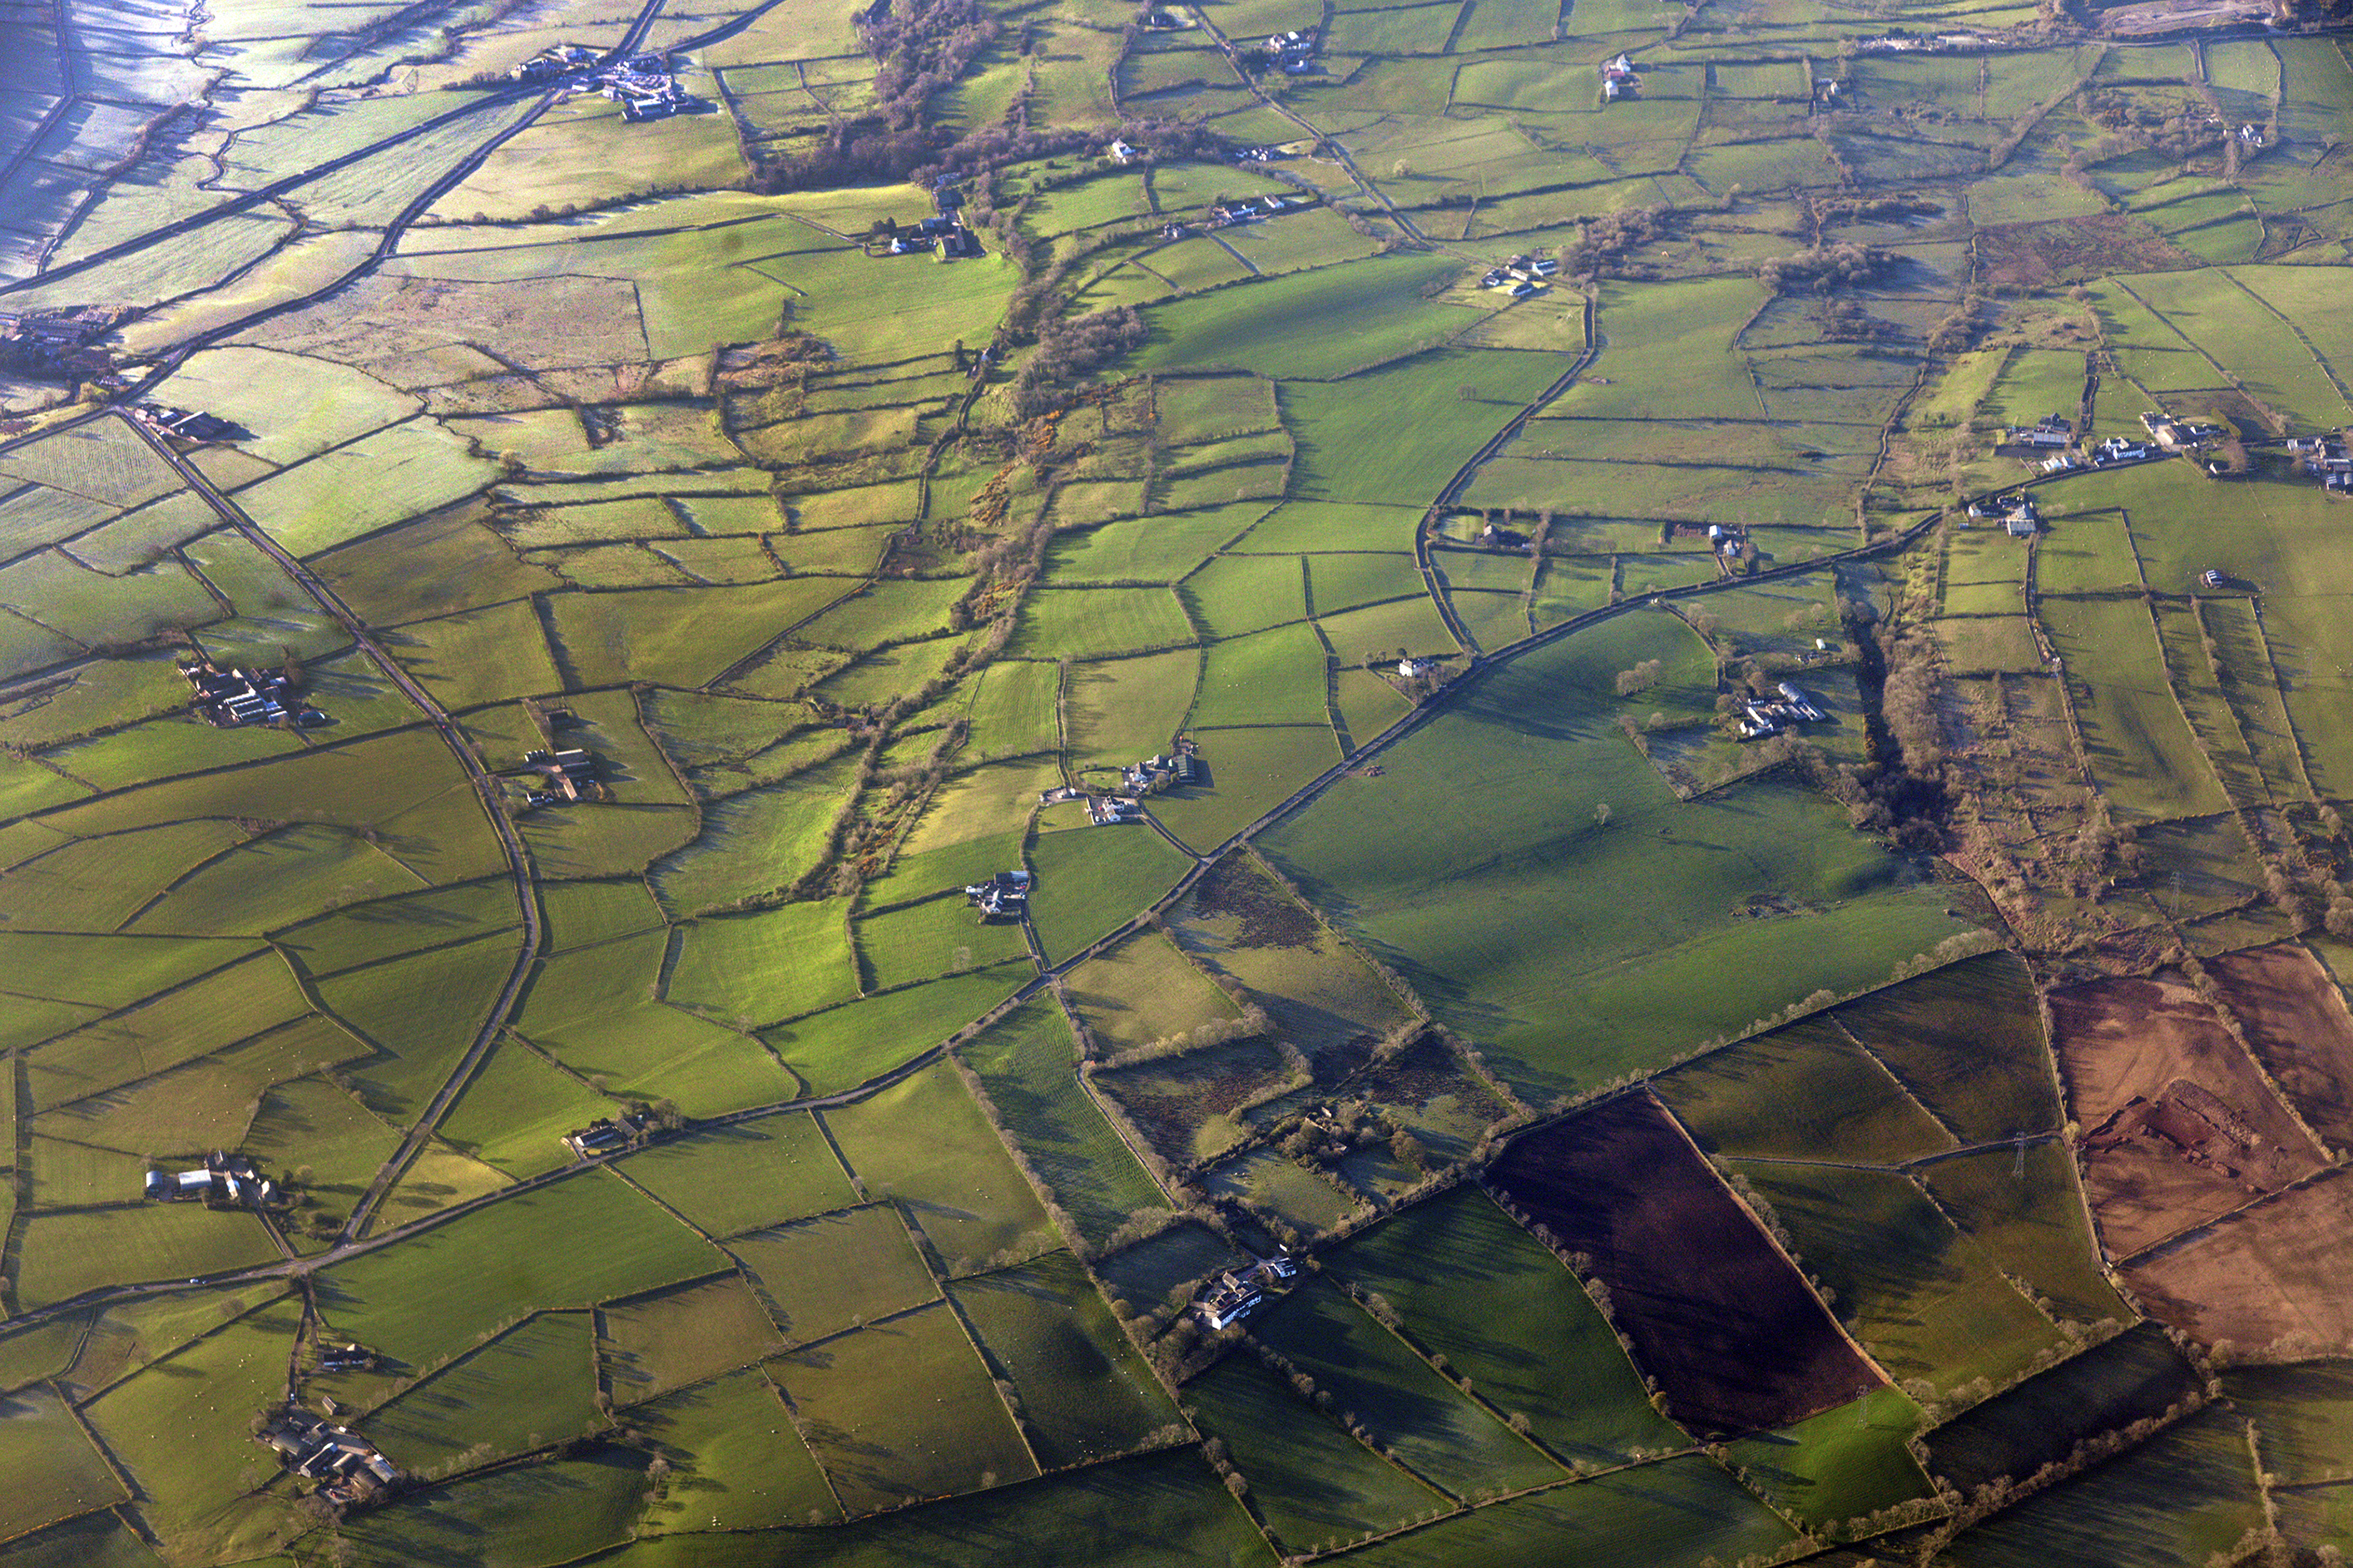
(1716, 1313)
(2297, 1022)
(2272, 1274)
(2178, 1125)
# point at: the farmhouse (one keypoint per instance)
(1005, 896)
(2050, 430)
(1103, 810)
(1618, 80)
(553, 61)
(568, 774)
(1415, 668)
(2021, 519)
(189, 424)
(225, 1180)
(1232, 1295)
(347, 1358)
(609, 1134)
(1120, 153)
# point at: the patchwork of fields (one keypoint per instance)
(962, 782)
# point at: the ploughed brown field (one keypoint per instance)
(2178, 1126)
(2297, 1020)
(1718, 1316)
(2272, 1274)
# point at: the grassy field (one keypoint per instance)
(1807, 1091)
(1519, 913)
(1926, 1301)
(742, 1462)
(734, 1179)
(925, 1143)
(1027, 1064)
(1684, 1506)
(426, 1297)
(1457, 1270)
(653, 1345)
(1427, 1425)
(1091, 880)
(2134, 1376)
(1085, 1394)
(878, 1451)
(835, 1272)
(1314, 1485)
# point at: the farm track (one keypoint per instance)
(510, 842)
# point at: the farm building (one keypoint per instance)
(226, 698)
(608, 1134)
(347, 1467)
(1795, 706)
(224, 1180)
(568, 774)
(2021, 519)
(1163, 771)
(1005, 896)
(188, 424)
(1229, 1297)
(2051, 431)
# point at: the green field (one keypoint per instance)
(1497, 954)
(540, 426)
(1456, 1270)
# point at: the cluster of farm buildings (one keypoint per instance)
(1521, 276)
(643, 85)
(1005, 896)
(346, 1465)
(1760, 717)
(233, 698)
(223, 1181)
(1619, 80)
(57, 343)
(1229, 1297)
(1293, 52)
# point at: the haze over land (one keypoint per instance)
(1472, 782)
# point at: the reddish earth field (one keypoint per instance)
(2178, 1126)
(2296, 1019)
(1724, 1322)
(2271, 1275)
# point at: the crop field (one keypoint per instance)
(1537, 998)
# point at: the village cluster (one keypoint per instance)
(2327, 457)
